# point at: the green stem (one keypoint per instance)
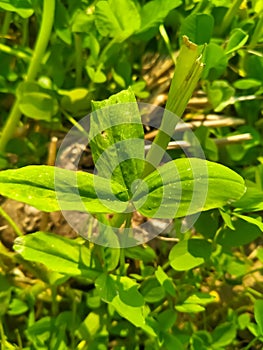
(40, 48)
(251, 343)
(6, 25)
(11, 222)
(78, 60)
(230, 14)
(166, 40)
(15, 52)
(257, 33)
(25, 32)
(187, 73)
(2, 336)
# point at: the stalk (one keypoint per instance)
(257, 33)
(187, 73)
(78, 59)
(6, 25)
(40, 48)
(230, 14)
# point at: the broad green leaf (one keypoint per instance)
(171, 342)
(144, 253)
(215, 61)
(244, 84)
(121, 293)
(190, 253)
(61, 23)
(252, 220)
(58, 254)
(186, 186)
(50, 189)
(22, 7)
(154, 12)
(166, 319)
(117, 138)
(165, 281)
(135, 315)
(76, 100)
(259, 314)
(36, 102)
(237, 39)
(244, 233)
(17, 307)
(110, 286)
(254, 67)
(117, 19)
(38, 105)
(152, 291)
(96, 75)
(200, 298)
(223, 335)
(198, 27)
(220, 94)
(189, 308)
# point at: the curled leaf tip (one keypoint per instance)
(188, 43)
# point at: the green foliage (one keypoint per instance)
(199, 289)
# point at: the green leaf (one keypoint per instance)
(17, 307)
(76, 100)
(244, 233)
(154, 12)
(50, 189)
(61, 23)
(166, 319)
(186, 186)
(245, 84)
(190, 308)
(121, 292)
(59, 254)
(165, 281)
(223, 335)
(189, 253)
(152, 291)
(237, 39)
(258, 310)
(117, 138)
(198, 27)
(39, 106)
(117, 19)
(144, 253)
(251, 201)
(200, 299)
(110, 286)
(36, 102)
(135, 315)
(22, 7)
(220, 94)
(215, 62)
(96, 75)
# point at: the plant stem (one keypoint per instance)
(230, 14)
(11, 222)
(2, 336)
(257, 33)
(40, 48)
(166, 40)
(6, 25)
(25, 32)
(187, 73)
(78, 59)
